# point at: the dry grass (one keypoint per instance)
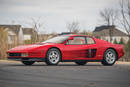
(3, 43)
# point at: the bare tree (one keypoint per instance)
(125, 14)
(73, 27)
(109, 16)
(36, 25)
(86, 32)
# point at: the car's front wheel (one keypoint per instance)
(110, 57)
(53, 56)
(81, 62)
(28, 62)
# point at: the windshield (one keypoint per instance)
(58, 39)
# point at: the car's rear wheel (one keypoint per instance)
(28, 62)
(110, 57)
(81, 62)
(53, 56)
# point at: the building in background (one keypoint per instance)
(110, 33)
(27, 33)
(13, 31)
(17, 34)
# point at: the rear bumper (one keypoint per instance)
(27, 59)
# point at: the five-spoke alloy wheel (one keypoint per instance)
(53, 56)
(110, 57)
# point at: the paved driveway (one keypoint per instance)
(15, 74)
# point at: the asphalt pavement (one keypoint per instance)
(15, 74)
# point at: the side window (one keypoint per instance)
(77, 41)
(90, 40)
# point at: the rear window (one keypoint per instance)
(90, 40)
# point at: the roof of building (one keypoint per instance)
(28, 31)
(14, 28)
(105, 31)
(100, 28)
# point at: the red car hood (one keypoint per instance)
(28, 47)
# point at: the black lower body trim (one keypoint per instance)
(27, 59)
(43, 59)
(81, 60)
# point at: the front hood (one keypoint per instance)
(28, 47)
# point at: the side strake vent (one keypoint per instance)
(91, 53)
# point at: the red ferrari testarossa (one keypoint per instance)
(68, 48)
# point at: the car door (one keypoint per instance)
(74, 49)
(91, 48)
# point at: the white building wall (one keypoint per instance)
(27, 37)
(11, 37)
(20, 36)
(118, 38)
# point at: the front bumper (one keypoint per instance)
(27, 59)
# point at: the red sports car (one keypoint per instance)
(68, 48)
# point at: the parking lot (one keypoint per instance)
(15, 74)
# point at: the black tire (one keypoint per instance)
(112, 61)
(50, 58)
(28, 62)
(81, 62)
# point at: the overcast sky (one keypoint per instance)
(54, 13)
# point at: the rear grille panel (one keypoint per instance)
(14, 54)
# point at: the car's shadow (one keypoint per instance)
(53, 65)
